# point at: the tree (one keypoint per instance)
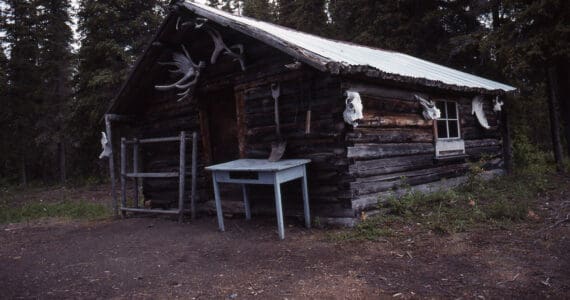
(113, 35)
(533, 41)
(304, 15)
(259, 9)
(55, 67)
(22, 99)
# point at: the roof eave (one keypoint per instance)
(369, 71)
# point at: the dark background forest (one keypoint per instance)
(55, 86)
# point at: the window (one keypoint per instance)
(449, 143)
(448, 124)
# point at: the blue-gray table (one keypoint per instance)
(261, 171)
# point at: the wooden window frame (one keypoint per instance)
(449, 147)
(447, 119)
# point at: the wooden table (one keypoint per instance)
(261, 171)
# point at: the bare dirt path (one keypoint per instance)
(146, 257)
(159, 258)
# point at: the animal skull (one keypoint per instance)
(477, 110)
(497, 104)
(430, 111)
(353, 111)
(106, 145)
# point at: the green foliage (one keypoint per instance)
(528, 157)
(259, 9)
(66, 210)
(500, 201)
(113, 35)
(305, 15)
(372, 229)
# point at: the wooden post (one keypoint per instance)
(136, 170)
(123, 175)
(181, 176)
(507, 141)
(112, 165)
(194, 174)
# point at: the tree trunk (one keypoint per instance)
(554, 119)
(564, 98)
(507, 141)
(24, 175)
(62, 173)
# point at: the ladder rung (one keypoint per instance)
(153, 175)
(148, 210)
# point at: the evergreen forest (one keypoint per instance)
(63, 61)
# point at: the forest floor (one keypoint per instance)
(152, 257)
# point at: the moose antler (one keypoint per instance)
(197, 22)
(221, 48)
(184, 65)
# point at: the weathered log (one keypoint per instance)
(390, 135)
(371, 119)
(391, 165)
(371, 151)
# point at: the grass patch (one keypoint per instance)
(65, 210)
(477, 203)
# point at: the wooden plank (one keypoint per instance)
(371, 151)
(182, 176)
(391, 165)
(385, 182)
(241, 126)
(371, 119)
(390, 135)
(153, 211)
(152, 175)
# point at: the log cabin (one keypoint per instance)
(370, 120)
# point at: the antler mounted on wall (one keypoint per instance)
(221, 48)
(430, 111)
(184, 65)
(236, 51)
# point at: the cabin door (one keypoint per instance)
(222, 123)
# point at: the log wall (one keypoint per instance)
(394, 145)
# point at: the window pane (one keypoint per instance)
(453, 129)
(441, 129)
(441, 106)
(451, 110)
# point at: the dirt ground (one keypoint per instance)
(148, 257)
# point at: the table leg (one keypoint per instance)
(246, 202)
(218, 203)
(279, 208)
(306, 199)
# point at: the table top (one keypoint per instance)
(258, 165)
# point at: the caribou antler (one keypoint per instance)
(221, 48)
(184, 65)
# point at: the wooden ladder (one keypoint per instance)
(181, 174)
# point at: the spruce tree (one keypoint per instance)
(304, 15)
(22, 100)
(259, 9)
(113, 35)
(55, 67)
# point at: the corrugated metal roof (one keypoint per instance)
(347, 54)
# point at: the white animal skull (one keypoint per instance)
(353, 111)
(497, 104)
(477, 110)
(430, 111)
(106, 145)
